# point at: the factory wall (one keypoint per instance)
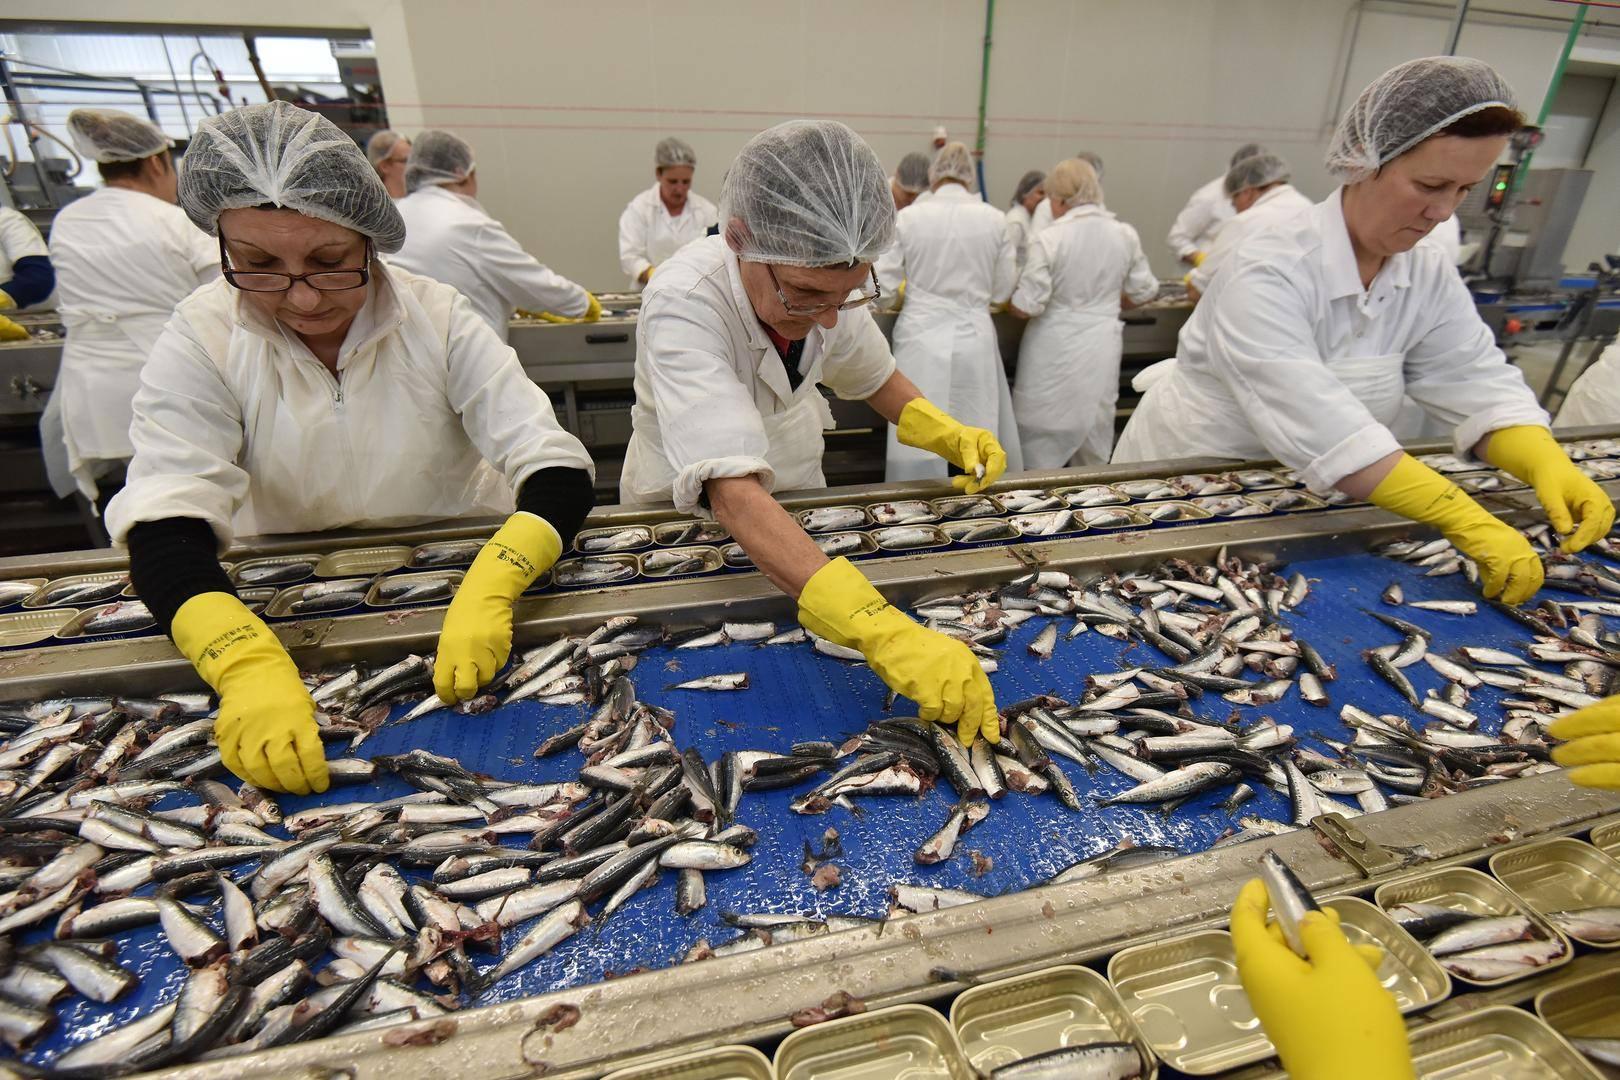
(564, 100)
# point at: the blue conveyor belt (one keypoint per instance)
(797, 694)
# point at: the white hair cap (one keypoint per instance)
(673, 151)
(953, 162)
(438, 157)
(281, 155)
(1407, 104)
(807, 193)
(108, 135)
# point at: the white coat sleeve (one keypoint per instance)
(710, 213)
(1457, 373)
(1005, 275)
(710, 426)
(858, 360)
(521, 280)
(1261, 346)
(187, 438)
(1141, 285)
(1221, 250)
(1190, 224)
(200, 251)
(19, 239)
(891, 267)
(633, 241)
(1034, 290)
(503, 412)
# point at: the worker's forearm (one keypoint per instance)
(893, 396)
(1360, 484)
(771, 536)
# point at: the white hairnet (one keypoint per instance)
(381, 144)
(1248, 149)
(673, 151)
(1256, 171)
(279, 154)
(108, 135)
(953, 162)
(1094, 160)
(1407, 104)
(1074, 182)
(1026, 184)
(438, 157)
(807, 193)
(912, 173)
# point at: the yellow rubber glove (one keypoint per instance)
(1328, 1016)
(594, 312)
(7, 301)
(1592, 746)
(477, 634)
(973, 450)
(1507, 564)
(10, 331)
(1576, 507)
(939, 673)
(1197, 258)
(266, 725)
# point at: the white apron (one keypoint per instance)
(950, 353)
(1068, 387)
(96, 384)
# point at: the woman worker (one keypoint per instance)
(1315, 328)
(954, 251)
(735, 334)
(1027, 196)
(666, 217)
(313, 388)
(450, 237)
(1082, 271)
(125, 255)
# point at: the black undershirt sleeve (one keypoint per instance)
(172, 560)
(561, 496)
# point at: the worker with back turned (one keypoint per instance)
(736, 334)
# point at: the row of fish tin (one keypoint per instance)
(1177, 1001)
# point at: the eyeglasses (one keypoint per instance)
(320, 280)
(812, 310)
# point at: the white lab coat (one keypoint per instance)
(1595, 397)
(123, 260)
(451, 238)
(1041, 219)
(1275, 205)
(18, 240)
(1068, 364)
(429, 417)
(956, 255)
(1199, 222)
(1018, 227)
(1289, 357)
(712, 395)
(649, 234)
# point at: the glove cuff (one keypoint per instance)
(524, 548)
(1520, 449)
(215, 630)
(924, 425)
(837, 603)
(1415, 491)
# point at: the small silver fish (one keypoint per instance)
(732, 681)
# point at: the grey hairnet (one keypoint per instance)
(1256, 171)
(438, 157)
(1074, 182)
(1094, 160)
(953, 162)
(381, 144)
(279, 154)
(1026, 184)
(807, 193)
(673, 151)
(1407, 104)
(1248, 149)
(108, 135)
(912, 173)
